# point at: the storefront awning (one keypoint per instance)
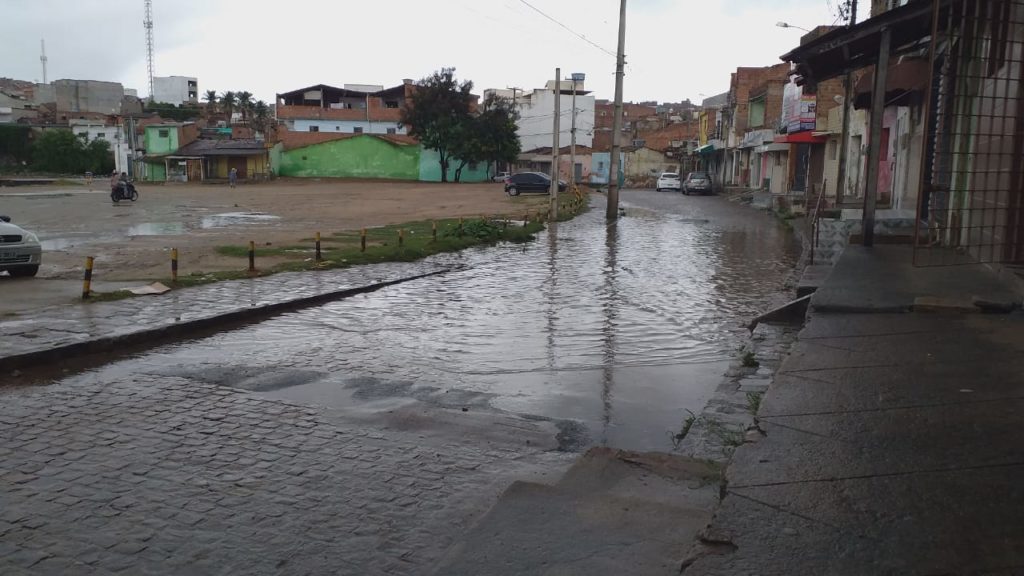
(705, 149)
(804, 137)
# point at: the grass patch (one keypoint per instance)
(110, 296)
(678, 437)
(754, 402)
(748, 360)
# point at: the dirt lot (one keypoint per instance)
(132, 241)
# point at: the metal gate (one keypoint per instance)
(971, 205)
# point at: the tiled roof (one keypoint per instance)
(222, 147)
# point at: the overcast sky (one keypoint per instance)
(675, 49)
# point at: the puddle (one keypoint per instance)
(227, 219)
(156, 229)
(58, 243)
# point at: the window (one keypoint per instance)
(163, 133)
(357, 130)
(639, 143)
(314, 128)
(83, 135)
(101, 135)
(337, 128)
(391, 104)
(391, 131)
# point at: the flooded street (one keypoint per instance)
(612, 334)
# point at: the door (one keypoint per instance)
(239, 164)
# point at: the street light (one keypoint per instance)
(788, 25)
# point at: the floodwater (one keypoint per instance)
(613, 333)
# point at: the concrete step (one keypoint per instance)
(613, 513)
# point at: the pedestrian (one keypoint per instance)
(233, 177)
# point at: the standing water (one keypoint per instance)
(614, 331)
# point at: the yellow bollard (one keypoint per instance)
(174, 264)
(318, 256)
(252, 256)
(401, 237)
(433, 230)
(362, 240)
(87, 281)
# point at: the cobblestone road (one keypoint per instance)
(171, 476)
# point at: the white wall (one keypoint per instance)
(346, 126)
(174, 89)
(536, 121)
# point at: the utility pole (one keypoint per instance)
(148, 25)
(844, 138)
(620, 63)
(554, 144)
(572, 144)
(515, 109)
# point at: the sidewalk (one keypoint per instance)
(60, 332)
(890, 441)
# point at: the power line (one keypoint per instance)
(575, 33)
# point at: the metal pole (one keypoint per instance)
(620, 62)
(572, 146)
(875, 145)
(554, 145)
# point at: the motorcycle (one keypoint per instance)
(124, 191)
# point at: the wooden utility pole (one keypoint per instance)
(620, 63)
(554, 145)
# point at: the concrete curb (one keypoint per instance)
(183, 329)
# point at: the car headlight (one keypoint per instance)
(30, 237)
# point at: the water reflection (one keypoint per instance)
(610, 311)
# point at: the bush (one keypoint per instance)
(62, 152)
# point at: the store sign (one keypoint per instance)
(799, 110)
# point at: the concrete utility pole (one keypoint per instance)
(515, 108)
(576, 77)
(554, 145)
(620, 63)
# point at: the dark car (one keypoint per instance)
(698, 183)
(530, 182)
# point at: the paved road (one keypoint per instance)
(364, 436)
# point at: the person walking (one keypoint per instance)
(233, 177)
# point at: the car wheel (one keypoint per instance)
(512, 191)
(23, 271)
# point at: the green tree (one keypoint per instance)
(227, 103)
(261, 116)
(436, 113)
(62, 152)
(499, 140)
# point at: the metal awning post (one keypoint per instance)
(875, 143)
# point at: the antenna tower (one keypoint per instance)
(148, 25)
(42, 57)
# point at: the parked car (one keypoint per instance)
(501, 176)
(530, 182)
(20, 251)
(668, 181)
(698, 183)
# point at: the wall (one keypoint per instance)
(600, 166)
(175, 89)
(778, 171)
(155, 144)
(536, 120)
(643, 166)
(357, 157)
(430, 168)
(88, 96)
(346, 126)
(220, 166)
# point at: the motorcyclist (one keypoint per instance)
(114, 182)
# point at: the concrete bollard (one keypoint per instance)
(401, 237)
(174, 264)
(362, 240)
(252, 256)
(87, 280)
(318, 255)
(433, 231)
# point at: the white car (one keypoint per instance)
(668, 181)
(20, 251)
(501, 176)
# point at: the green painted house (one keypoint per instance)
(341, 155)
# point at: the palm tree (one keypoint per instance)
(261, 115)
(211, 98)
(227, 102)
(245, 104)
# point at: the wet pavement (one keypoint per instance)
(387, 422)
